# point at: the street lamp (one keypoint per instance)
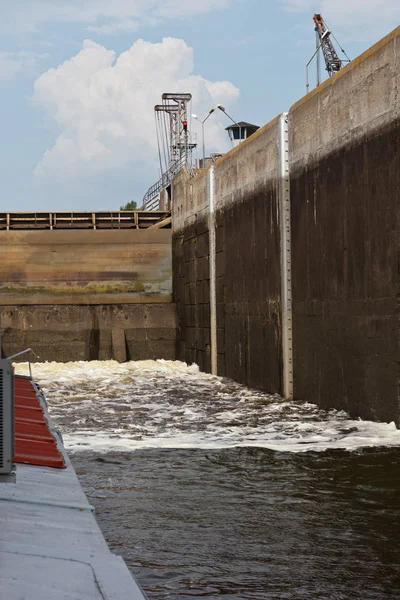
(222, 108)
(202, 130)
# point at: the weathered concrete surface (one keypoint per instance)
(70, 332)
(85, 267)
(344, 159)
(247, 263)
(345, 191)
(191, 269)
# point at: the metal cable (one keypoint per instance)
(167, 140)
(340, 45)
(158, 143)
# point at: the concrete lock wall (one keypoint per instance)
(85, 267)
(87, 295)
(345, 169)
(191, 269)
(247, 255)
(302, 268)
(64, 333)
(248, 294)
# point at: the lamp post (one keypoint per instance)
(222, 108)
(202, 132)
(308, 64)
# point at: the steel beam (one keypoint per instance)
(184, 97)
(166, 108)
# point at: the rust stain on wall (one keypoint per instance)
(40, 267)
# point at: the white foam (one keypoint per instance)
(166, 404)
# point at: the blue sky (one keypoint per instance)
(79, 79)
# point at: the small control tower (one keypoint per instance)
(240, 131)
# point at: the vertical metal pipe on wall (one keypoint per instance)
(286, 262)
(213, 288)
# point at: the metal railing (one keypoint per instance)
(28, 351)
(151, 199)
(120, 219)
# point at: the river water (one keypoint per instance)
(209, 489)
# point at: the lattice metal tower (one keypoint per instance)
(181, 142)
(324, 44)
(332, 60)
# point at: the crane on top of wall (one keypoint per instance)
(324, 45)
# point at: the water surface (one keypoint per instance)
(209, 489)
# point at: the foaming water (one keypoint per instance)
(167, 404)
(209, 489)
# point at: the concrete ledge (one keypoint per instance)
(103, 332)
(75, 298)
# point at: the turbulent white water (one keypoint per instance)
(164, 404)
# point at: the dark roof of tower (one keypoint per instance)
(242, 124)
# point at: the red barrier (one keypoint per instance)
(34, 442)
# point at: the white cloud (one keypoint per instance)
(13, 63)
(9, 66)
(116, 27)
(103, 105)
(106, 16)
(357, 19)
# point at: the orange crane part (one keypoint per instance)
(35, 444)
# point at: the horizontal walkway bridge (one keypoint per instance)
(120, 219)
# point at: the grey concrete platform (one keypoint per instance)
(50, 543)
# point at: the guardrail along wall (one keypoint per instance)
(286, 252)
(84, 294)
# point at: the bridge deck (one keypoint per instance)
(126, 219)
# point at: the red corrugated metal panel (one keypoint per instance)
(34, 442)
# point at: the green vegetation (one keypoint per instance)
(132, 205)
